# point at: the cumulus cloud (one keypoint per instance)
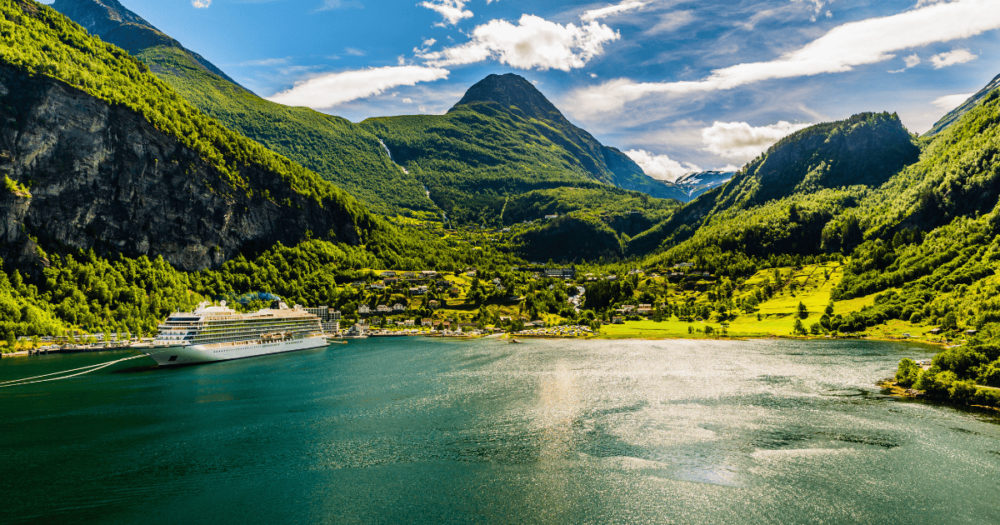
(201, 4)
(950, 102)
(958, 56)
(611, 10)
(661, 167)
(328, 90)
(840, 50)
(453, 11)
(533, 43)
(742, 142)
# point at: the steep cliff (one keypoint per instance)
(334, 148)
(101, 176)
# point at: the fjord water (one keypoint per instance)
(433, 431)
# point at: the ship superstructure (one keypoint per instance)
(218, 333)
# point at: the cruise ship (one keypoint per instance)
(217, 333)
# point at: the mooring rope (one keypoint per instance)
(86, 370)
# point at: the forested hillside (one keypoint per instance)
(781, 201)
(501, 140)
(332, 147)
(111, 158)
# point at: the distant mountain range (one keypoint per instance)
(691, 185)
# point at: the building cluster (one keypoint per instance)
(330, 319)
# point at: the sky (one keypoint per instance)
(679, 85)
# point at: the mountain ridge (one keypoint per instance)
(117, 24)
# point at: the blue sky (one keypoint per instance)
(680, 85)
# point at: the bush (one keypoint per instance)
(935, 382)
(962, 392)
(908, 373)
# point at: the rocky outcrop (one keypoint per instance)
(101, 177)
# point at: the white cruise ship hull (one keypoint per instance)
(194, 354)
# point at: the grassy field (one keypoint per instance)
(810, 285)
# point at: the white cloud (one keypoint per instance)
(817, 6)
(453, 11)
(671, 22)
(429, 42)
(354, 52)
(910, 61)
(950, 102)
(742, 142)
(660, 167)
(533, 43)
(611, 10)
(840, 50)
(328, 90)
(201, 4)
(958, 56)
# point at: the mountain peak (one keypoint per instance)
(117, 25)
(508, 91)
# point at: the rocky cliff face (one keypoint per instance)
(102, 177)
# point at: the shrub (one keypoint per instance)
(908, 373)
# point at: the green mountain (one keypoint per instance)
(502, 139)
(957, 113)
(336, 149)
(782, 200)
(97, 153)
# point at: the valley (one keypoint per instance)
(140, 180)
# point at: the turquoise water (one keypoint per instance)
(431, 431)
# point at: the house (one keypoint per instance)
(538, 324)
(617, 320)
(428, 273)
(376, 286)
(358, 284)
(644, 309)
(427, 322)
(382, 309)
(683, 265)
(504, 319)
(433, 303)
(560, 273)
(935, 331)
(971, 332)
(408, 322)
(364, 309)
(500, 288)
(496, 280)
(388, 273)
(626, 308)
(390, 281)
(409, 275)
(553, 216)
(398, 308)
(418, 290)
(612, 277)
(470, 274)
